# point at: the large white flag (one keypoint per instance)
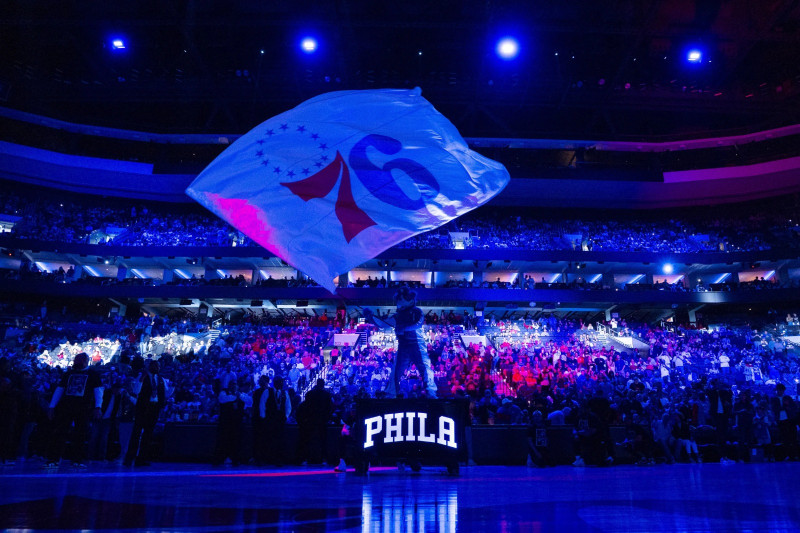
(342, 177)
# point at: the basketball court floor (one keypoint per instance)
(762, 497)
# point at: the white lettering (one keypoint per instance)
(374, 425)
(423, 417)
(396, 431)
(447, 432)
(410, 434)
(394, 427)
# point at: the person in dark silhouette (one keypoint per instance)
(101, 429)
(720, 398)
(278, 409)
(229, 425)
(260, 397)
(150, 399)
(77, 398)
(785, 411)
(313, 414)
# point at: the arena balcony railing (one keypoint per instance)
(378, 296)
(189, 153)
(10, 242)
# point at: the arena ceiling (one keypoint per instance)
(612, 69)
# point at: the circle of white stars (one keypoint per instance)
(319, 158)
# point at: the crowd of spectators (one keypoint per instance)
(712, 386)
(115, 222)
(109, 222)
(611, 234)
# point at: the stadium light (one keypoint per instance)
(694, 56)
(309, 45)
(667, 268)
(117, 44)
(507, 48)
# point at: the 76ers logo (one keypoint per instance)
(377, 180)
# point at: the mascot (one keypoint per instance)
(411, 347)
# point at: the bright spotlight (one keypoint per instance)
(118, 44)
(308, 45)
(694, 56)
(507, 48)
(667, 268)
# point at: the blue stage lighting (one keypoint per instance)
(694, 56)
(507, 48)
(667, 268)
(722, 277)
(308, 45)
(117, 44)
